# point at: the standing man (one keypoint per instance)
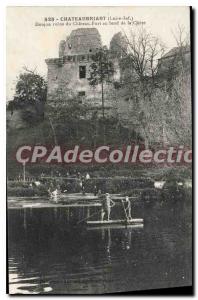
(127, 207)
(107, 204)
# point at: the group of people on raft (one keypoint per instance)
(108, 203)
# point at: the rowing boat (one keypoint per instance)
(110, 222)
(116, 226)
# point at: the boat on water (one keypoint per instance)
(117, 222)
(116, 226)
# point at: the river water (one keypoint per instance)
(51, 252)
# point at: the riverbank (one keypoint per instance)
(74, 185)
(148, 180)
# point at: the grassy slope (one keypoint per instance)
(41, 133)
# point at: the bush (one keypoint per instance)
(117, 185)
(20, 192)
(23, 189)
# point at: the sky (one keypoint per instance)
(29, 45)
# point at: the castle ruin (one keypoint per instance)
(68, 74)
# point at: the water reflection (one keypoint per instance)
(49, 252)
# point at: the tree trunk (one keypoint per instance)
(103, 113)
(53, 131)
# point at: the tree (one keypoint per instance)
(144, 50)
(30, 88)
(101, 71)
(160, 107)
(141, 61)
(182, 39)
(30, 95)
(65, 119)
(176, 91)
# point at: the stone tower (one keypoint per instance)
(67, 74)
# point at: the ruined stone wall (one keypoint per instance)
(83, 41)
(174, 63)
(64, 83)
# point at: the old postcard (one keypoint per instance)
(99, 149)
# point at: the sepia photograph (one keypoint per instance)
(99, 149)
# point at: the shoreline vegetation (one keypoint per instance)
(176, 178)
